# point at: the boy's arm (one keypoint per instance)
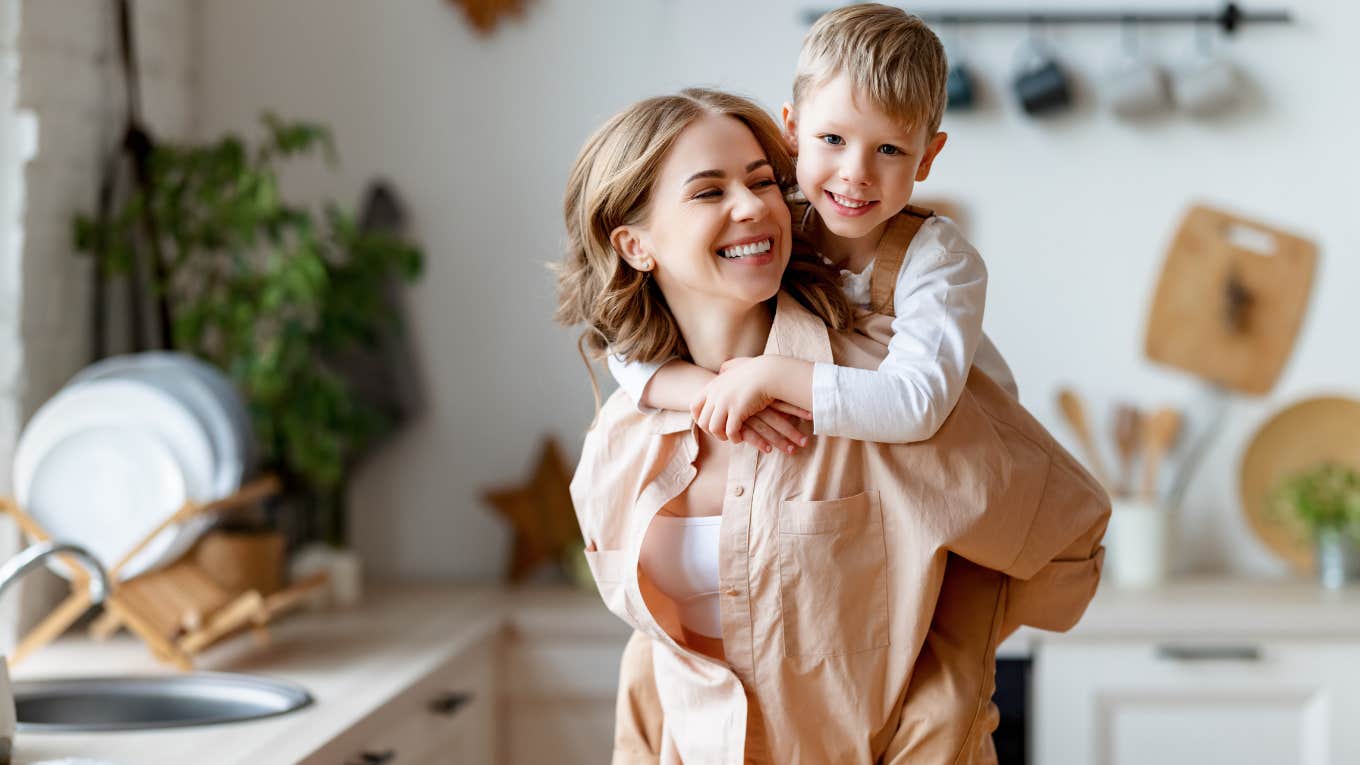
(675, 385)
(654, 386)
(939, 300)
(634, 378)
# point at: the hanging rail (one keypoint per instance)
(1229, 18)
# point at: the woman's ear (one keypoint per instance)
(933, 148)
(630, 243)
(790, 119)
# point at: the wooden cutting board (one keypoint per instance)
(1232, 295)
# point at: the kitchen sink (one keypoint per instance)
(151, 701)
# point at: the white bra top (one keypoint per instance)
(680, 556)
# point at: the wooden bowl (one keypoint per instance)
(1315, 430)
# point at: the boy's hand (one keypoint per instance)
(770, 428)
(742, 390)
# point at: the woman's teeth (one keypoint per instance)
(846, 201)
(742, 250)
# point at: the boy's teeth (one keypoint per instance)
(846, 201)
(742, 250)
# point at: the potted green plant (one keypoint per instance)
(1325, 502)
(272, 293)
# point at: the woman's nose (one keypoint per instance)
(748, 205)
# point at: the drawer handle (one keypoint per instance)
(377, 758)
(449, 703)
(1176, 652)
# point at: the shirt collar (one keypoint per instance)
(795, 332)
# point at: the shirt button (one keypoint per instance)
(738, 491)
(733, 591)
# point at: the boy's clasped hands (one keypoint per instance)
(748, 401)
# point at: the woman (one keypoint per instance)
(788, 630)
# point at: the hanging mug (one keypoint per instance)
(959, 88)
(960, 92)
(1135, 86)
(1206, 83)
(1040, 84)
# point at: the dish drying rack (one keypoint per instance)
(178, 611)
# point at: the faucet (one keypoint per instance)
(14, 568)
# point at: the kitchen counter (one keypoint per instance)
(355, 661)
(350, 661)
(1210, 608)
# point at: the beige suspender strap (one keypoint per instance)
(889, 254)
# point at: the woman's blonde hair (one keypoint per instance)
(610, 186)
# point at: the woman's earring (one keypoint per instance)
(645, 265)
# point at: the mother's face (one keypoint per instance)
(717, 227)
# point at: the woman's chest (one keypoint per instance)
(704, 495)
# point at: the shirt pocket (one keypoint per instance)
(833, 576)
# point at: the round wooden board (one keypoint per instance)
(1322, 429)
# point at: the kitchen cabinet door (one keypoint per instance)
(1184, 702)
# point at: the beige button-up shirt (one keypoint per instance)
(831, 560)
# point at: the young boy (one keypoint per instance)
(868, 97)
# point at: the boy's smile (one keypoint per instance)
(850, 206)
(857, 166)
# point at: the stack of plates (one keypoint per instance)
(123, 446)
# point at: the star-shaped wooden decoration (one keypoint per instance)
(485, 14)
(541, 514)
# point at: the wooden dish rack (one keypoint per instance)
(178, 611)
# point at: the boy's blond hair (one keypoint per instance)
(891, 57)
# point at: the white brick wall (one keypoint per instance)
(59, 69)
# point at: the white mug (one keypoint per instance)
(1135, 88)
(1206, 85)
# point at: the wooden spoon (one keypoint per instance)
(1075, 414)
(1128, 436)
(1160, 431)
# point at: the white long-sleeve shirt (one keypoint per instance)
(939, 298)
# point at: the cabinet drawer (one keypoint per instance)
(563, 668)
(446, 717)
(1196, 701)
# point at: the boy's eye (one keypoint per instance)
(833, 139)
(889, 149)
(763, 183)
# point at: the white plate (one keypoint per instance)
(117, 402)
(105, 488)
(203, 390)
(129, 404)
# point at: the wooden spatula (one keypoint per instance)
(1160, 431)
(1075, 414)
(1128, 436)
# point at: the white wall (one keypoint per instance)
(60, 114)
(1072, 215)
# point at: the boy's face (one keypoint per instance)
(856, 165)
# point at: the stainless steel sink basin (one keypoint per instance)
(135, 703)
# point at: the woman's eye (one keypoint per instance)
(889, 149)
(833, 139)
(710, 194)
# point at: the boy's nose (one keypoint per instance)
(854, 169)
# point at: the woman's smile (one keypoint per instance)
(750, 251)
